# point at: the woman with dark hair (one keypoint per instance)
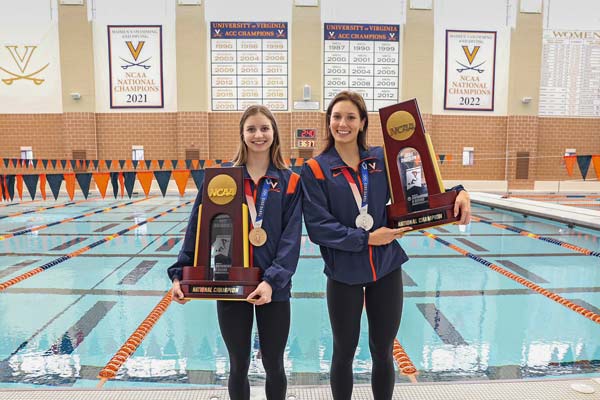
(345, 196)
(274, 198)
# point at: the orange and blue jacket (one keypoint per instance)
(330, 211)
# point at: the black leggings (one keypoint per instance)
(273, 322)
(383, 301)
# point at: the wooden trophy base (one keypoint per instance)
(241, 282)
(440, 212)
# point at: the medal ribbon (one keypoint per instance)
(362, 202)
(257, 218)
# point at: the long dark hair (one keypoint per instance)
(241, 156)
(359, 102)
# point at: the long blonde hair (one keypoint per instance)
(359, 102)
(241, 156)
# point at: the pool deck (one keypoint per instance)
(547, 389)
(566, 214)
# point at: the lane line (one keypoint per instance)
(524, 272)
(138, 272)
(77, 333)
(441, 325)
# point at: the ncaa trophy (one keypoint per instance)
(221, 267)
(418, 196)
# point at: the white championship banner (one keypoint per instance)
(249, 65)
(470, 70)
(135, 66)
(363, 58)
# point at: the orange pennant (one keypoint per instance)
(128, 164)
(20, 186)
(208, 163)
(299, 161)
(195, 164)
(101, 180)
(70, 184)
(596, 162)
(43, 185)
(570, 163)
(122, 184)
(101, 166)
(154, 164)
(448, 157)
(168, 165)
(145, 178)
(181, 177)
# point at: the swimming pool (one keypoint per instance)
(479, 304)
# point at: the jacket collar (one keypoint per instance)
(272, 172)
(335, 161)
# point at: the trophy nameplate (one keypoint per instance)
(418, 196)
(221, 260)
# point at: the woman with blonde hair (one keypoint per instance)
(274, 198)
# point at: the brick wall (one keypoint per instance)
(224, 135)
(79, 134)
(192, 133)
(487, 135)
(43, 132)
(522, 134)
(168, 135)
(117, 132)
(558, 134)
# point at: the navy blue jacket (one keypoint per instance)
(330, 211)
(278, 257)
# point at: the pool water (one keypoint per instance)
(462, 320)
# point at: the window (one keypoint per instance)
(137, 152)
(26, 153)
(468, 158)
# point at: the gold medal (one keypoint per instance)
(258, 237)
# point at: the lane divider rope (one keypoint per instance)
(46, 208)
(40, 269)
(19, 203)
(536, 288)
(405, 365)
(546, 239)
(133, 342)
(64, 221)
